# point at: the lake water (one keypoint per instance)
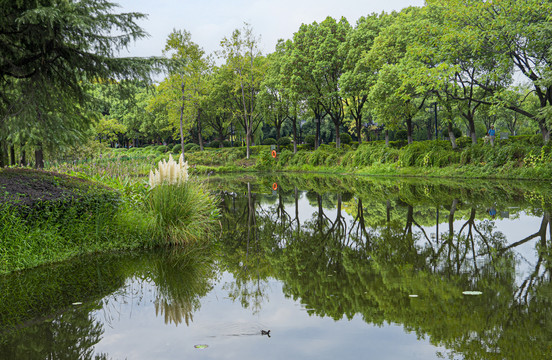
(335, 268)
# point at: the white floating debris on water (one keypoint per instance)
(472, 292)
(413, 296)
(77, 303)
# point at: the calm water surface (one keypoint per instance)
(334, 267)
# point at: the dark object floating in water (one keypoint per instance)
(201, 346)
(265, 332)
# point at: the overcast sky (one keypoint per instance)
(210, 20)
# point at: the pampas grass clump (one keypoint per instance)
(169, 172)
(184, 212)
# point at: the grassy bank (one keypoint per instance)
(47, 217)
(520, 157)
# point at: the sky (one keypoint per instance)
(209, 21)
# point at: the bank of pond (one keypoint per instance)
(518, 157)
(394, 267)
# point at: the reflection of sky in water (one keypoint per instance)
(514, 229)
(133, 331)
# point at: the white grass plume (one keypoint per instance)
(169, 172)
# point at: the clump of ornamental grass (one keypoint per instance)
(169, 172)
(183, 211)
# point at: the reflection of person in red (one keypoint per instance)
(492, 212)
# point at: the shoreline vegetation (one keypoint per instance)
(104, 203)
(48, 217)
(519, 157)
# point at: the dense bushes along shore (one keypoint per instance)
(518, 157)
(523, 157)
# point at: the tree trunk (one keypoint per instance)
(220, 134)
(544, 131)
(409, 129)
(451, 135)
(12, 155)
(294, 124)
(278, 131)
(182, 132)
(248, 142)
(317, 138)
(3, 154)
(337, 137)
(39, 157)
(199, 137)
(23, 160)
(471, 124)
(359, 130)
(386, 137)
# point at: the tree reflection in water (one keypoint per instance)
(343, 247)
(376, 249)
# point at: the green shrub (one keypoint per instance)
(284, 141)
(463, 142)
(176, 149)
(183, 213)
(345, 138)
(284, 156)
(269, 141)
(162, 149)
(332, 160)
(256, 149)
(534, 140)
(191, 147)
(214, 144)
(401, 135)
(309, 140)
(227, 143)
(398, 144)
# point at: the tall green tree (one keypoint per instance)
(318, 57)
(185, 86)
(396, 96)
(50, 50)
(358, 73)
(520, 36)
(243, 57)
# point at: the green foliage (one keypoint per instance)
(183, 213)
(463, 142)
(162, 149)
(191, 147)
(401, 135)
(345, 138)
(177, 148)
(269, 141)
(214, 144)
(284, 141)
(309, 140)
(46, 70)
